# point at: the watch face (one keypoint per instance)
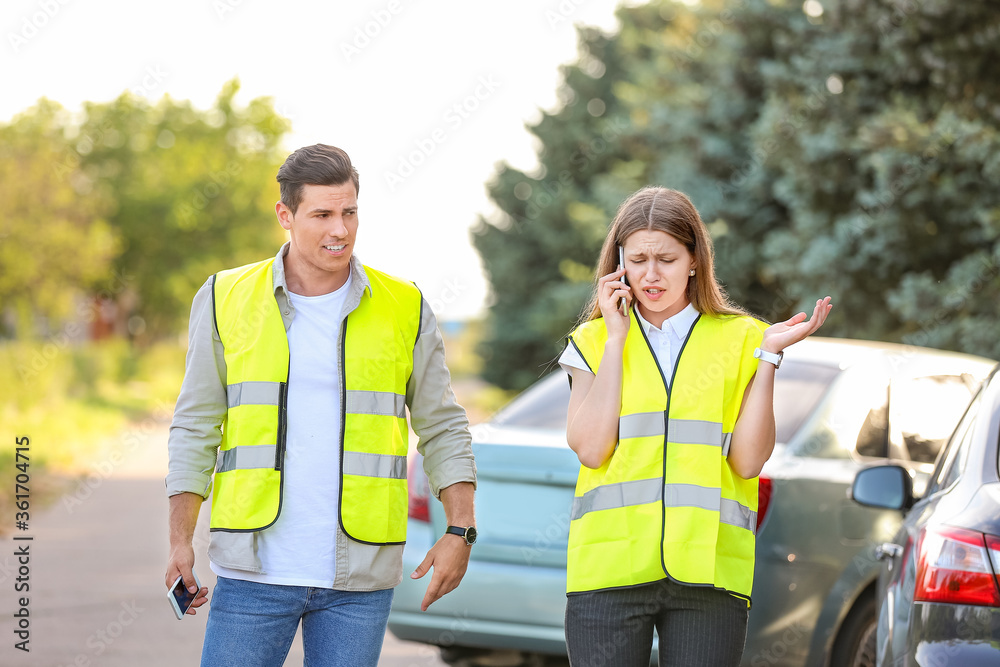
(471, 534)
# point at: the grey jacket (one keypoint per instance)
(196, 432)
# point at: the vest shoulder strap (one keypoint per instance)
(233, 287)
(589, 339)
(381, 281)
(398, 298)
(228, 278)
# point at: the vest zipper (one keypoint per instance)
(343, 420)
(279, 451)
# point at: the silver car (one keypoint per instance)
(839, 406)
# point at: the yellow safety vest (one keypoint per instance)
(667, 504)
(376, 359)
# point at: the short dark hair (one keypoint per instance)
(318, 164)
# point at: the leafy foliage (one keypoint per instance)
(136, 202)
(52, 241)
(841, 148)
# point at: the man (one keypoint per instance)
(298, 371)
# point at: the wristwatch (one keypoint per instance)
(769, 357)
(468, 534)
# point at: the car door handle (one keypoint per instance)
(888, 550)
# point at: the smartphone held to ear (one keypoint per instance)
(621, 265)
(180, 598)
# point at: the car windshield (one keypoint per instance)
(798, 387)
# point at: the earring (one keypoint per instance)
(692, 272)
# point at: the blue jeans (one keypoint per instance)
(253, 625)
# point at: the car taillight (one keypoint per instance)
(993, 545)
(764, 490)
(953, 565)
(418, 491)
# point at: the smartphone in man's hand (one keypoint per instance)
(180, 597)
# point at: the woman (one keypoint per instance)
(672, 418)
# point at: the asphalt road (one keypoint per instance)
(95, 573)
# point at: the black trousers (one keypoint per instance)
(698, 626)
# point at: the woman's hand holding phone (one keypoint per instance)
(615, 299)
(622, 305)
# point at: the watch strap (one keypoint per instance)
(467, 534)
(770, 357)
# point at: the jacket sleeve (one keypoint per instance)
(436, 417)
(196, 429)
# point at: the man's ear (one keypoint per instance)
(284, 215)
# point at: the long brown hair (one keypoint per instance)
(661, 209)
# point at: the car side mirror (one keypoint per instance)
(887, 487)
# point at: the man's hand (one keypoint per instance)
(449, 558)
(181, 563)
(183, 518)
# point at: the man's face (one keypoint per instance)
(322, 229)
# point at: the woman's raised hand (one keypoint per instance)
(780, 335)
(610, 291)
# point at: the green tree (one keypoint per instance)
(641, 106)
(137, 203)
(888, 171)
(55, 241)
(832, 147)
(193, 193)
(551, 222)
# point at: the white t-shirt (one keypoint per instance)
(666, 342)
(300, 548)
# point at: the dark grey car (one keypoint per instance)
(839, 407)
(939, 592)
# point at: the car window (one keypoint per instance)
(850, 420)
(923, 412)
(798, 387)
(952, 460)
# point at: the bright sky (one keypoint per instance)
(426, 96)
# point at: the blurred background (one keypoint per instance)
(840, 147)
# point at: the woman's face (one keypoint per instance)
(658, 267)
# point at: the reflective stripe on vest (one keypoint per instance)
(254, 393)
(247, 457)
(375, 465)
(643, 491)
(376, 403)
(688, 431)
(377, 359)
(666, 503)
